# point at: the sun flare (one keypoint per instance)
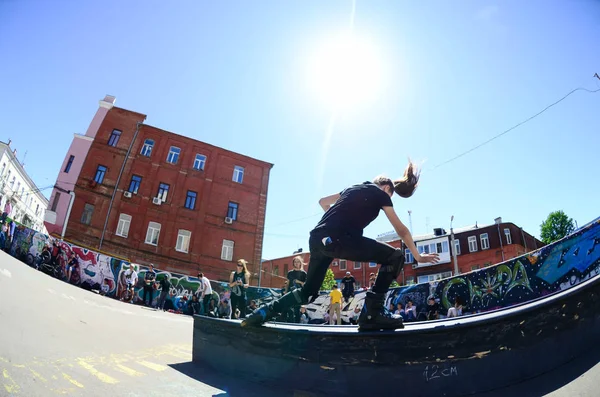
(345, 71)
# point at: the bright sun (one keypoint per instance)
(345, 71)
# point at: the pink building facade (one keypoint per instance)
(62, 194)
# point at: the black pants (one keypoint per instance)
(148, 290)
(238, 302)
(162, 299)
(354, 248)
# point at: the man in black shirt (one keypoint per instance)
(296, 279)
(339, 234)
(348, 290)
(149, 285)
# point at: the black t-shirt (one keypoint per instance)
(165, 284)
(348, 283)
(294, 274)
(356, 208)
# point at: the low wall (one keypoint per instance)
(548, 270)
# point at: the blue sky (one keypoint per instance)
(236, 75)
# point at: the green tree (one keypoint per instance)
(394, 284)
(556, 226)
(329, 281)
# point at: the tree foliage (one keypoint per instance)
(394, 284)
(556, 226)
(329, 281)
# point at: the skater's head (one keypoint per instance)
(298, 263)
(406, 186)
(385, 184)
(335, 286)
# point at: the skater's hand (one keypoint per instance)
(428, 258)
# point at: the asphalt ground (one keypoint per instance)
(58, 339)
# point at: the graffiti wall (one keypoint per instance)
(551, 269)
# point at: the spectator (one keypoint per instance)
(433, 309)
(372, 278)
(296, 278)
(239, 281)
(205, 291)
(410, 311)
(456, 310)
(252, 306)
(130, 280)
(73, 264)
(194, 306)
(303, 315)
(355, 315)
(225, 309)
(165, 287)
(335, 305)
(149, 283)
(7, 210)
(348, 283)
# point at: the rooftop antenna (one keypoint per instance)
(24, 156)
(410, 221)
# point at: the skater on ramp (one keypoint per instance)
(339, 234)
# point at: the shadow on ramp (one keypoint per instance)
(232, 386)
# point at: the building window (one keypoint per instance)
(227, 250)
(134, 185)
(232, 210)
(190, 200)
(456, 247)
(238, 174)
(86, 215)
(334, 263)
(163, 191)
(173, 155)
(408, 257)
(12, 183)
(342, 264)
(199, 162)
(55, 202)
(472, 244)
(357, 265)
(183, 240)
(276, 270)
(372, 264)
(100, 172)
(485, 241)
(114, 138)
(153, 233)
(3, 168)
(410, 281)
(434, 277)
(147, 148)
(22, 191)
(37, 209)
(69, 164)
(508, 236)
(123, 226)
(18, 187)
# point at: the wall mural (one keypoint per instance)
(548, 270)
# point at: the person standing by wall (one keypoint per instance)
(335, 305)
(149, 278)
(296, 279)
(239, 281)
(205, 290)
(348, 290)
(165, 287)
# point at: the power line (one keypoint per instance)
(515, 126)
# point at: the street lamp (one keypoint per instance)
(453, 247)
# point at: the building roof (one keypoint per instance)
(19, 166)
(393, 236)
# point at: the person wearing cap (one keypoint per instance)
(335, 305)
(348, 283)
(339, 234)
(372, 279)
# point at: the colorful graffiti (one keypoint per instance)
(548, 270)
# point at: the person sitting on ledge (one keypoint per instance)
(339, 234)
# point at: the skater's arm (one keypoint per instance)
(328, 201)
(404, 234)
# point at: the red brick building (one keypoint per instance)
(153, 196)
(475, 247)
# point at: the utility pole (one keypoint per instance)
(453, 247)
